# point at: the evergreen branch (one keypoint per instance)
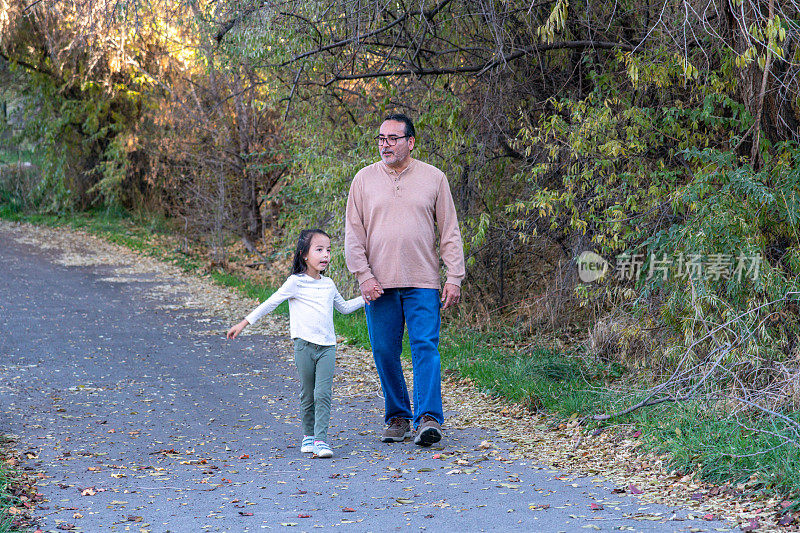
(29, 66)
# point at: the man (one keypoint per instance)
(393, 211)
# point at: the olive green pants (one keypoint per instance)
(315, 364)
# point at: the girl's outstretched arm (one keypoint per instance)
(286, 291)
(347, 306)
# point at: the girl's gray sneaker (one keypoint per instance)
(307, 445)
(322, 450)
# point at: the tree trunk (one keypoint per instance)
(252, 224)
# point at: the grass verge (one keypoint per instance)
(751, 454)
(17, 492)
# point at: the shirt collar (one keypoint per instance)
(392, 172)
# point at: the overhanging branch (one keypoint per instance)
(429, 14)
(488, 65)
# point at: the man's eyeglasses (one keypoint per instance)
(391, 140)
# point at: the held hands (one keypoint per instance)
(371, 290)
(235, 330)
(451, 295)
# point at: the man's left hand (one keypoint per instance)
(451, 295)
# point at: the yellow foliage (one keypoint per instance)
(554, 23)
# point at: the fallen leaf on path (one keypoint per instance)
(288, 524)
(171, 451)
(90, 491)
(132, 518)
(752, 525)
(244, 513)
(348, 510)
(596, 507)
(634, 489)
(301, 515)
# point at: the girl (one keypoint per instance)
(312, 298)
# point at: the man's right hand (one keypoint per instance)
(371, 290)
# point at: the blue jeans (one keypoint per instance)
(386, 317)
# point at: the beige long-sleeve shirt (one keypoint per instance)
(391, 222)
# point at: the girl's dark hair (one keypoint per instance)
(303, 246)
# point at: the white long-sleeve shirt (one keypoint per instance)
(311, 304)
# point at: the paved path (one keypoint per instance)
(137, 423)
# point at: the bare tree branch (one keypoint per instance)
(485, 66)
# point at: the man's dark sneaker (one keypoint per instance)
(398, 430)
(428, 432)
